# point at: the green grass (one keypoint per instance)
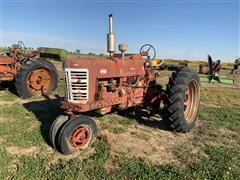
(221, 163)
(217, 118)
(7, 95)
(218, 161)
(5, 160)
(220, 96)
(116, 124)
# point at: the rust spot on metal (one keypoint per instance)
(39, 80)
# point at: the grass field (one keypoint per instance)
(124, 148)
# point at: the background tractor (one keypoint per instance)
(236, 65)
(31, 72)
(121, 81)
(211, 73)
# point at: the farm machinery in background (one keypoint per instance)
(236, 65)
(211, 73)
(160, 65)
(31, 72)
(119, 82)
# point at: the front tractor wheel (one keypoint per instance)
(36, 77)
(55, 128)
(183, 99)
(76, 134)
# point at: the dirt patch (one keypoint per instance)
(226, 132)
(14, 150)
(228, 137)
(80, 154)
(222, 137)
(13, 167)
(16, 101)
(3, 119)
(8, 102)
(158, 147)
(111, 163)
(2, 140)
(209, 105)
(23, 101)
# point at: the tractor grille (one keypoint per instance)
(76, 85)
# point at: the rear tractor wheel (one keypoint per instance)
(77, 133)
(36, 77)
(183, 99)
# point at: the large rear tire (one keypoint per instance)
(36, 77)
(183, 99)
(76, 134)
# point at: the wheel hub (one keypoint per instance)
(80, 137)
(191, 101)
(39, 80)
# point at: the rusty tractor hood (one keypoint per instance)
(5, 60)
(105, 68)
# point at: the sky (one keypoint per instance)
(188, 29)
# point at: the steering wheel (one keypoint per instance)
(21, 48)
(148, 51)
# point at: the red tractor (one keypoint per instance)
(32, 73)
(121, 81)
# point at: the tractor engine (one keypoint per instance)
(101, 83)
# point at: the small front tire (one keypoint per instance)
(77, 133)
(55, 128)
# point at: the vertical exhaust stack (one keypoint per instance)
(110, 38)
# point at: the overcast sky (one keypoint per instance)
(177, 29)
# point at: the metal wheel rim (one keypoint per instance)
(80, 137)
(39, 80)
(191, 101)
